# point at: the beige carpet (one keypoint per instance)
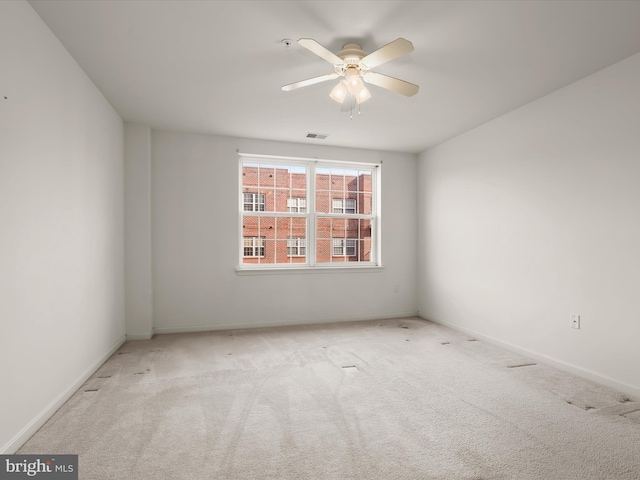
(393, 399)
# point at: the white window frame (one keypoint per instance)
(375, 262)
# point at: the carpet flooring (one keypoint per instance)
(391, 399)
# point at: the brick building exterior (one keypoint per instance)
(282, 237)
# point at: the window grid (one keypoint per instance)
(354, 241)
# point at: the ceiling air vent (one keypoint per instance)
(319, 136)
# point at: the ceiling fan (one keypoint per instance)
(353, 66)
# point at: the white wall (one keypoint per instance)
(137, 227)
(61, 233)
(534, 216)
(195, 242)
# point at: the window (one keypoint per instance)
(308, 213)
(253, 246)
(253, 202)
(297, 205)
(344, 247)
(344, 205)
(296, 247)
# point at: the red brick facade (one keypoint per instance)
(270, 239)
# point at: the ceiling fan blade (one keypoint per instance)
(315, 47)
(310, 81)
(390, 83)
(390, 51)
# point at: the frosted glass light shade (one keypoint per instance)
(364, 95)
(339, 92)
(354, 82)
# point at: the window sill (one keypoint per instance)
(306, 270)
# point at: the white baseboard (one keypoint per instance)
(567, 367)
(139, 336)
(16, 442)
(239, 326)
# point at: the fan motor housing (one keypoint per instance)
(351, 53)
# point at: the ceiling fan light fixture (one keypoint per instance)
(354, 66)
(354, 82)
(339, 92)
(364, 95)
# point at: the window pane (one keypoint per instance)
(350, 205)
(267, 201)
(323, 228)
(298, 193)
(253, 249)
(323, 250)
(352, 228)
(250, 174)
(296, 247)
(364, 203)
(276, 199)
(283, 228)
(253, 202)
(250, 226)
(247, 202)
(350, 247)
(322, 178)
(337, 179)
(267, 228)
(365, 229)
(298, 227)
(365, 250)
(338, 227)
(266, 175)
(297, 204)
(364, 181)
(298, 177)
(351, 180)
(338, 247)
(268, 252)
(281, 254)
(323, 202)
(283, 177)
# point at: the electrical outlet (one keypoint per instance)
(396, 288)
(575, 321)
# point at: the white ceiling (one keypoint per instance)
(217, 66)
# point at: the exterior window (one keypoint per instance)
(253, 202)
(297, 205)
(344, 247)
(296, 247)
(253, 246)
(344, 205)
(307, 213)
